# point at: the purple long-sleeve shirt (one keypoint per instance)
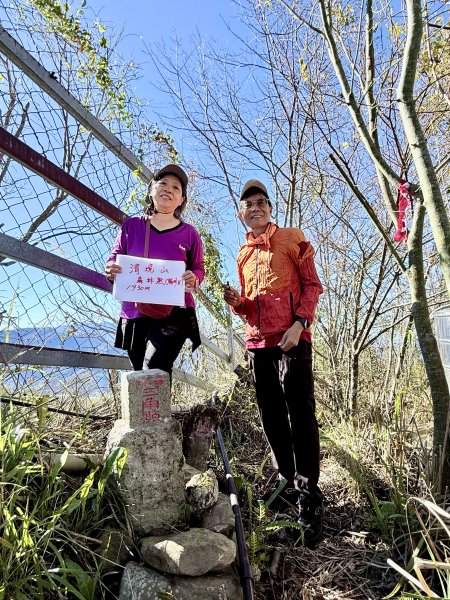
(179, 243)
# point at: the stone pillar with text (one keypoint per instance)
(152, 483)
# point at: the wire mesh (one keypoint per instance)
(39, 308)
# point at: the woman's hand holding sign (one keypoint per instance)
(190, 281)
(111, 270)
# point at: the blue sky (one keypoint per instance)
(155, 21)
(144, 23)
(147, 22)
(158, 19)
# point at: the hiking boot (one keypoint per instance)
(310, 515)
(281, 496)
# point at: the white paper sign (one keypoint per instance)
(150, 280)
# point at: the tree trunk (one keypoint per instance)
(353, 393)
(429, 185)
(430, 352)
(399, 368)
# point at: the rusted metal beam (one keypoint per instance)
(36, 257)
(62, 411)
(214, 349)
(37, 163)
(21, 354)
(192, 380)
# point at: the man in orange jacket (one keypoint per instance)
(279, 294)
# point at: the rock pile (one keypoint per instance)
(182, 523)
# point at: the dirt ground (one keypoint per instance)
(349, 563)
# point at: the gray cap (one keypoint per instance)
(253, 183)
(173, 170)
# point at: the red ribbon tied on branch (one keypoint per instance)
(404, 201)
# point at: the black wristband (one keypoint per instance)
(301, 320)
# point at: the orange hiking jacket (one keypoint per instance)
(278, 281)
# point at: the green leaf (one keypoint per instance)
(58, 575)
(85, 582)
(115, 461)
(58, 466)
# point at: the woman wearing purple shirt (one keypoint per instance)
(155, 343)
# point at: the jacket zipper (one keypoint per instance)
(292, 304)
(257, 290)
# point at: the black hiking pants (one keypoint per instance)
(285, 395)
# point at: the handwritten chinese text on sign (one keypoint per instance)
(150, 280)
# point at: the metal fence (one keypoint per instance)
(57, 316)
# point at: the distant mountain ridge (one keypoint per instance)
(62, 380)
(86, 337)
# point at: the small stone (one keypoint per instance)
(219, 518)
(194, 552)
(143, 583)
(202, 491)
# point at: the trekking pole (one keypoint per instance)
(245, 570)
